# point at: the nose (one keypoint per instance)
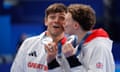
(57, 19)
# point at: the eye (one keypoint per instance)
(52, 17)
(62, 18)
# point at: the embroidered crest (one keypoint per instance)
(99, 65)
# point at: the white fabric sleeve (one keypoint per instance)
(101, 60)
(18, 64)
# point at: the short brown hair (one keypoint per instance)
(55, 8)
(83, 14)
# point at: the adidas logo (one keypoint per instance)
(33, 54)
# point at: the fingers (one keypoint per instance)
(51, 50)
(51, 47)
(68, 49)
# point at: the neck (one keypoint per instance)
(56, 38)
(81, 35)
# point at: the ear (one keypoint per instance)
(45, 21)
(76, 25)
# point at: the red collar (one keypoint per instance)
(97, 33)
(63, 40)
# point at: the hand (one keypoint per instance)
(52, 50)
(68, 49)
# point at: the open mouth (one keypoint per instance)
(55, 26)
(58, 26)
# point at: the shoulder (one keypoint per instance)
(34, 38)
(101, 43)
(30, 41)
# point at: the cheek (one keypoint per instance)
(66, 23)
(65, 26)
(48, 23)
(68, 28)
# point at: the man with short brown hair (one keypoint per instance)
(32, 56)
(93, 46)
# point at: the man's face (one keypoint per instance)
(69, 24)
(55, 22)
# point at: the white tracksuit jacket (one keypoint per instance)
(95, 56)
(31, 56)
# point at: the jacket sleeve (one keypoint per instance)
(18, 64)
(101, 60)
